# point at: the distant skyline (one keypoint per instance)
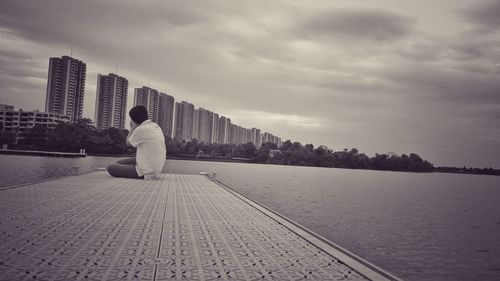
(380, 76)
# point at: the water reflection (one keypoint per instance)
(418, 226)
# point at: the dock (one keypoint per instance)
(43, 153)
(181, 227)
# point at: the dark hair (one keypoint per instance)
(138, 114)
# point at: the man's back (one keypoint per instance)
(151, 151)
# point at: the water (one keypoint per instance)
(417, 226)
(16, 169)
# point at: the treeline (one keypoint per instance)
(68, 137)
(306, 155)
(302, 155)
(71, 137)
(465, 170)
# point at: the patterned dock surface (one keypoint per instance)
(182, 227)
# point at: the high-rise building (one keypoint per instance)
(205, 121)
(232, 133)
(184, 117)
(196, 124)
(165, 116)
(248, 136)
(239, 135)
(149, 98)
(258, 141)
(66, 87)
(266, 137)
(160, 107)
(224, 128)
(215, 128)
(255, 137)
(111, 101)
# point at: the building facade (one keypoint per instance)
(66, 87)
(196, 124)
(205, 121)
(166, 114)
(232, 133)
(21, 121)
(184, 120)
(224, 127)
(150, 99)
(268, 137)
(160, 107)
(255, 137)
(111, 101)
(215, 128)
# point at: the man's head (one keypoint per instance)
(138, 114)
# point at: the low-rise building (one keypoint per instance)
(21, 121)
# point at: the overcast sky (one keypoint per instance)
(380, 76)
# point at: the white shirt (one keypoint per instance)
(151, 151)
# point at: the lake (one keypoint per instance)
(428, 226)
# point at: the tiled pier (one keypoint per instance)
(95, 227)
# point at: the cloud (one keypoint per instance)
(261, 117)
(23, 76)
(48, 24)
(484, 14)
(447, 84)
(357, 25)
(21, 65)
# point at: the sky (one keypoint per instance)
(381, 76)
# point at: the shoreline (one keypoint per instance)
(445, 170)
(42, 153)
(181, 157)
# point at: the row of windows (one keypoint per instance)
(31, 115)
(44, 120)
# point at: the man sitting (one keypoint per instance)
(148, 137)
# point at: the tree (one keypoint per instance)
(37, 137)
(262, 154)
(309, 147)
(226, 150)
(119, 138)
(250, 151)
(191, 147)
(286, 145)
(7, 138)
(174, 146)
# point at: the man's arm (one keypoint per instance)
(133, 125)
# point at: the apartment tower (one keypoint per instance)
(111, 101)
(224, 127)
(160, 107)
(66, 87)
(150, 99)
(196, 124)
(215, 128)
(205, 121)
(184, 120)
(166, 114)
